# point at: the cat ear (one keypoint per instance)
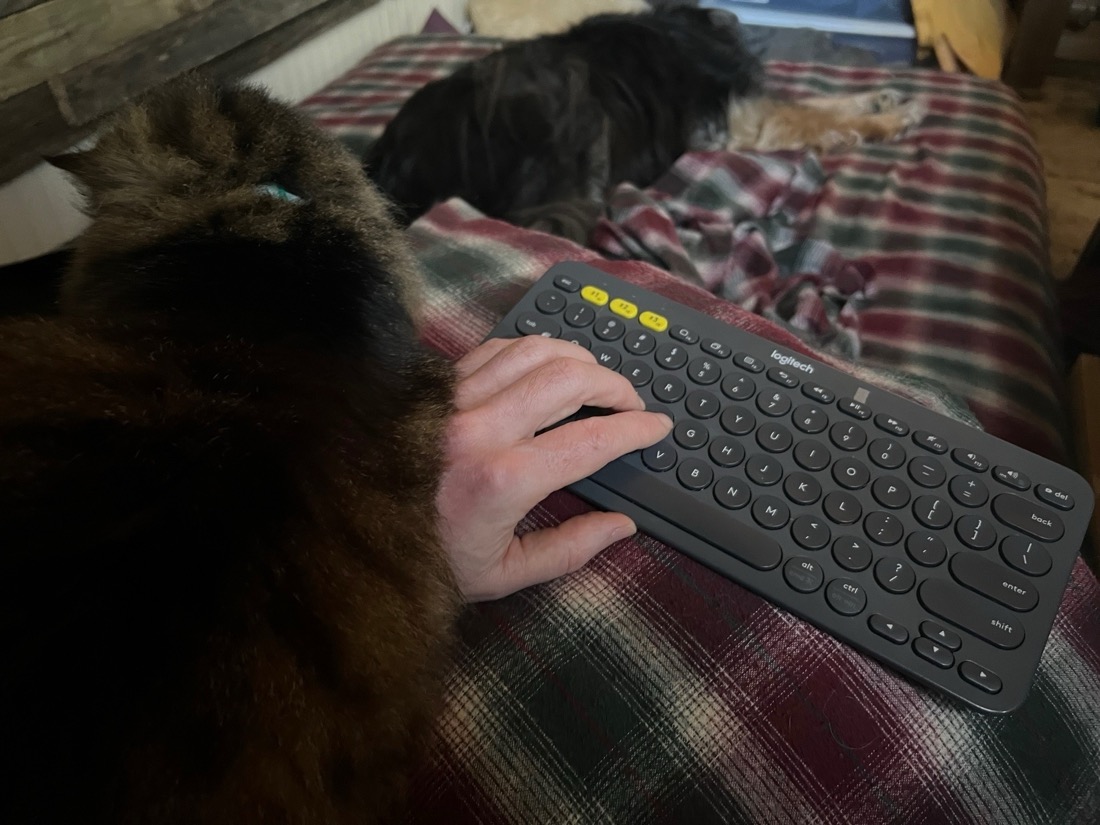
(75, 163)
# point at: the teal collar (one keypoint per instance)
(276, 191)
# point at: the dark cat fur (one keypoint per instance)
(224, 595)
(536, 132)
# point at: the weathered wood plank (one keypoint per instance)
(91, 89)
(58, 35)
(41, 129)
(33, 127)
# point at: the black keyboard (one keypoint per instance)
(932, 546)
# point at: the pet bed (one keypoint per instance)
(647, 689)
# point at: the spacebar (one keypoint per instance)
(680, 509)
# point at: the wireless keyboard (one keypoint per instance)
(934, 547)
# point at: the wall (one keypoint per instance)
(37, 208)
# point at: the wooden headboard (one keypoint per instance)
(64, 64)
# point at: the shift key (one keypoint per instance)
(973, 613)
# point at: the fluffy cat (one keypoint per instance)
(224, 595)
(538, 132)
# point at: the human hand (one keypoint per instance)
(498, 468)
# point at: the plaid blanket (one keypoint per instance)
(646, 688)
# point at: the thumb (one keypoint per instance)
(546, 554)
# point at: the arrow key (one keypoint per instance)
(934, 652)
(981, 677)
(888, 629)
(941, 635)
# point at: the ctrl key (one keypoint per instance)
(980, 677)
(846, 597)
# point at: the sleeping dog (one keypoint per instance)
(537, 132)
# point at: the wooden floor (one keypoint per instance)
(1064, 122)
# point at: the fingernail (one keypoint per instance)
(624, 532)
(668, 425)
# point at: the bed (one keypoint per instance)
(646, 688)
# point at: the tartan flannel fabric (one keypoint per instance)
(647, 689)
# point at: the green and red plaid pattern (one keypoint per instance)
(647, 689)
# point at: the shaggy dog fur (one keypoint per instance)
(225, 597)
(539, 131)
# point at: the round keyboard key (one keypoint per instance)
(853, 408)
(818, 393)
(934, 652)
(888, 629)
(775, 438)
(764, 470)
(1052, 495)
(883, 528)
(968, 490)
(927, 472)
(715, 348)
(567, 283)
(704, 371)
(930, 441)
(801, 488)
(890, 492)
(932, 511)
(770, 513)
(689, 435)
(668, 388)
(639, 342)
(732, 493)
(748, 362)
(607, 357)
(782, 377)
(738, 387)
(811, 455)
(810, 419)
(846, 597)
(847, 436)
(889, 424)
(886, 453)
(660, 458)
(804, 575)
(578, 338)
(1012, 478)
(702, 404)
(1026, 555)
(638, 373)
(852, 553)
(530, 323)
(774, 404)
(851, 474)
(726, 452)
(976, 532)
(981, 677)
(737, 421)
(579, 315)
(672, 356)
(843, 508)
(937, 633)
(970, 460)
(684, 334)
(550, 302)
(894, 576)
(925, 549)
(810, 532)
(694, 474)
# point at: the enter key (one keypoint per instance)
(994, 581)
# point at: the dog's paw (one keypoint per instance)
(838, 139)
(912, 113)
(886, 100)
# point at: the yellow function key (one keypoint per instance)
(594, 295)
(657, 323)
(624, 308)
